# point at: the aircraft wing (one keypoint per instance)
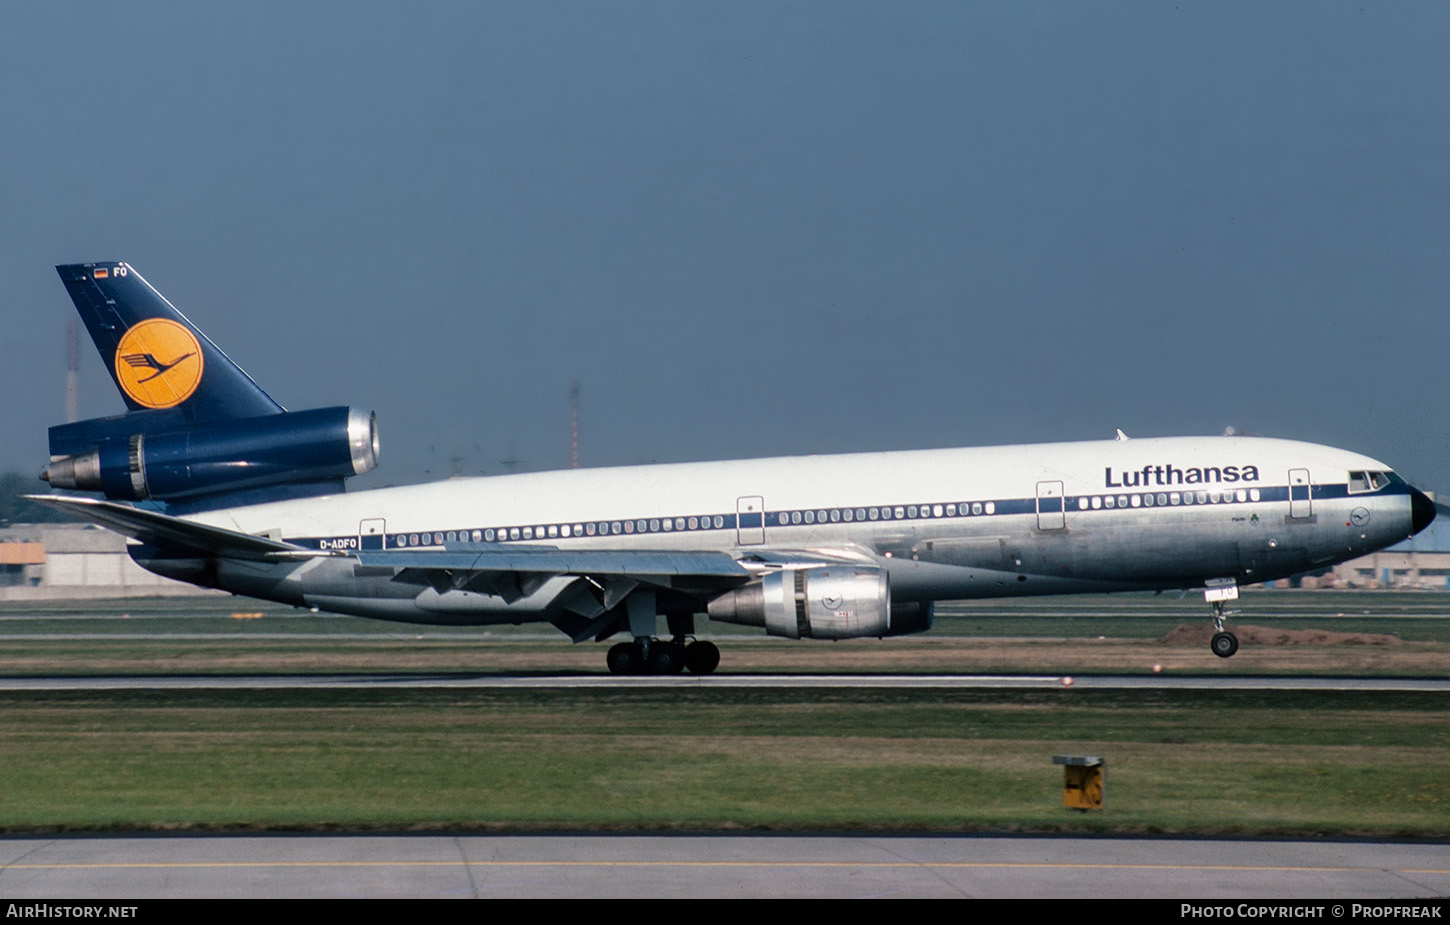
(512, 571)
(173, 533)
(611, 563)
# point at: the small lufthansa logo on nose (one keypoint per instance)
(159, 363)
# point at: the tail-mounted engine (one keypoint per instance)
(322, 445)
(822, 602)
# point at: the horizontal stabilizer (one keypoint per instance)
(172, 533)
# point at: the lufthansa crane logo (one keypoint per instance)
(159, 363)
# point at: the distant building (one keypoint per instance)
(1422, 561)
(52, 561)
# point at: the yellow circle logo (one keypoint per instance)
(158, 363)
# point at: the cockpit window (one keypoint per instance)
(1361, 482)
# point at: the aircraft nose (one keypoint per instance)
(1422, 511)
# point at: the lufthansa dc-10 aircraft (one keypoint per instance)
(242, 495)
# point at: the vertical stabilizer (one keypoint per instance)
(157, 358)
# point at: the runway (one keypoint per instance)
(715, 682)
(684, 866)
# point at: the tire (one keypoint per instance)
(624, 658)
(666, 658)
(702, 657)
(1224, 644)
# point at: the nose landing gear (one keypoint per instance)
(1224, 643)
(1217, 591)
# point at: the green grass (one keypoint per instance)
(1208, 763)
(1231, 763)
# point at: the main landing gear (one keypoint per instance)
(658, 656)
(651, 655)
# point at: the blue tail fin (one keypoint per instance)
(157, 358)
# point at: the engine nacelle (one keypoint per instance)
(298, 447)
(822, 602)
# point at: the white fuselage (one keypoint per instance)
(945, 524)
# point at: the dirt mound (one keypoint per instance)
(1196, 634)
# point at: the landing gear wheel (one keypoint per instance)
(625, 658)
(1224, 644)
(702, 657)
(666, 658)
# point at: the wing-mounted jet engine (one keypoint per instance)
(822, 602)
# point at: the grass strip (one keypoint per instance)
(1215, 763)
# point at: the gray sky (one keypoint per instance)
(751, 228)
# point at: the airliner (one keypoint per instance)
(218, 485)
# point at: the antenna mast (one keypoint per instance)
(72, 372)
(574, 424)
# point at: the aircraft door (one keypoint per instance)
(1300, 505)
(750, 520)
(1050, 513)
(372, 534)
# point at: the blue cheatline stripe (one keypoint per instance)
(1187, 497)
